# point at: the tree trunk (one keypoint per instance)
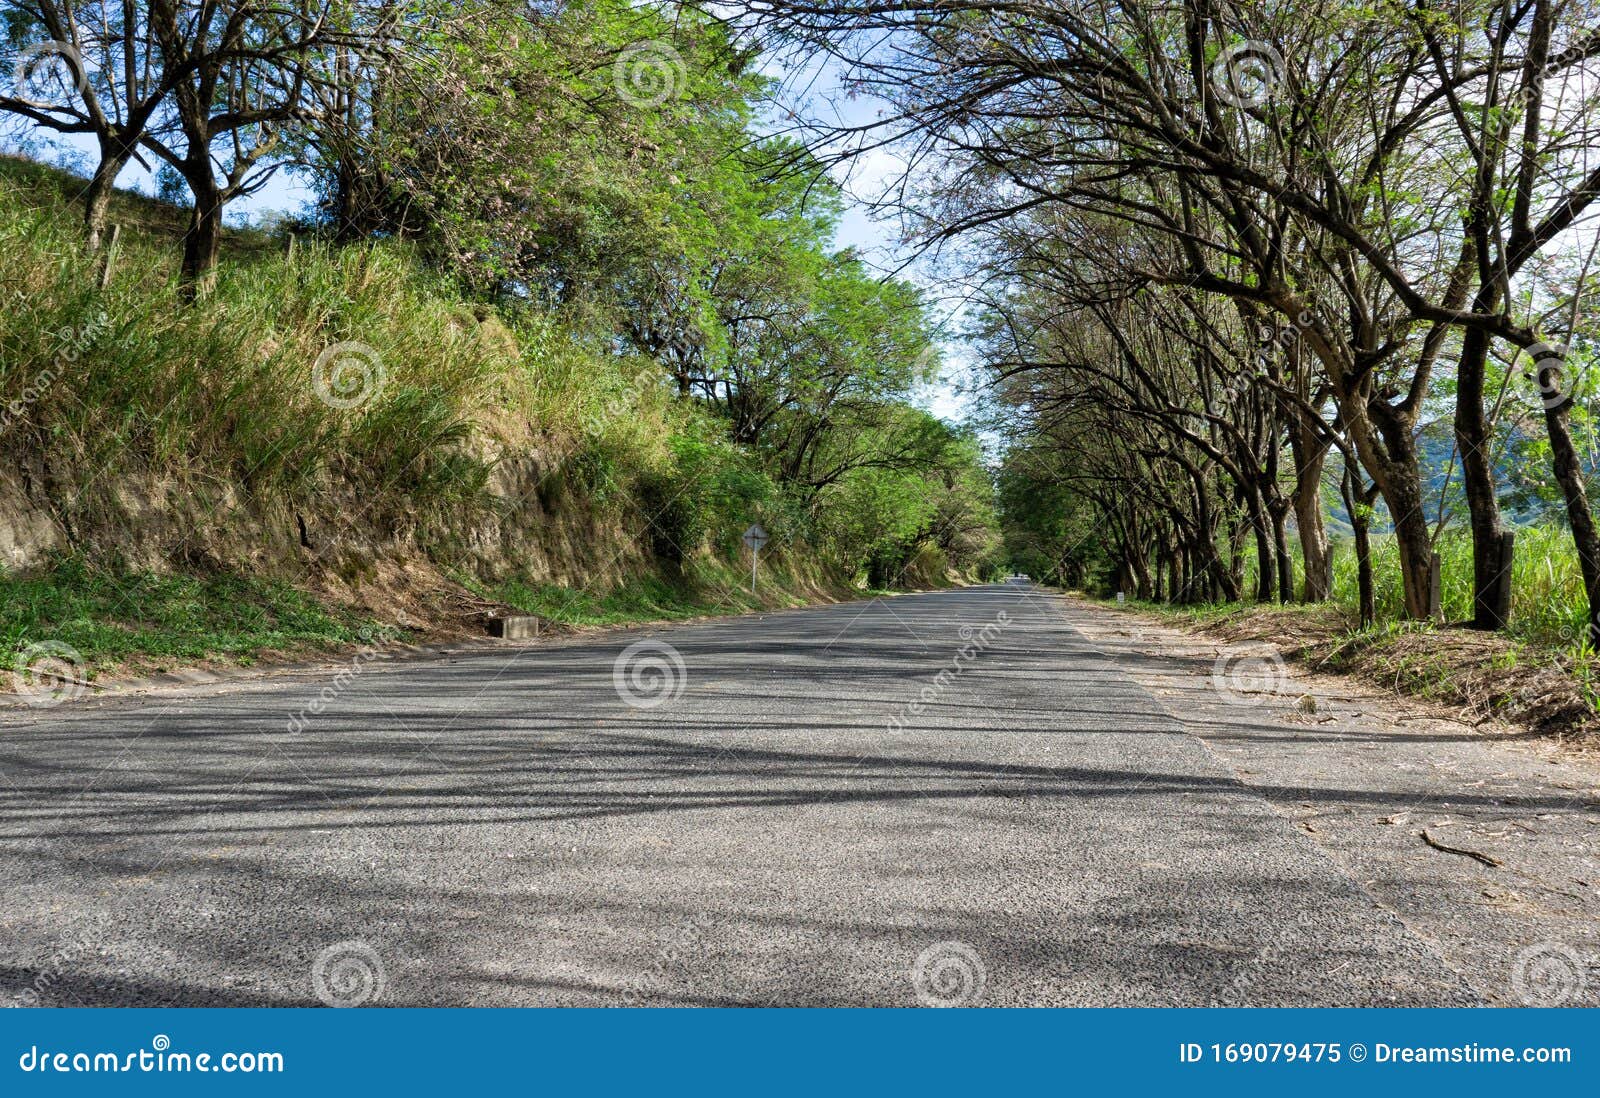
(203, 242)
(1220, 581)
(115, 152)
(1569, 474)
(1266, 578)
(1365, 595)
(1310, 451)
(1278, 510)
(1491, 576)
(1356, 503)
(97, 202)
(1158, 574)
(1206, 576)
(1415, 546)
(1141, 575)
(1398, 480)
(1236, 536)
(1135, 560)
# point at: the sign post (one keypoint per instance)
(755, 538)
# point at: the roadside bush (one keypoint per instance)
(673, 510)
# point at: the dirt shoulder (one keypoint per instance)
(1477, 676)
(1482, 836)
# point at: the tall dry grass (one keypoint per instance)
(1547, 597)
(354, 366)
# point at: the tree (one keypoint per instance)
(242, 73)
(1281, 157)
(93, 70)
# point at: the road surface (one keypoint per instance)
(942, 799)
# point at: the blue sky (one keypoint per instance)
(814, 94)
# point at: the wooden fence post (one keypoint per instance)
(110, 257)
(1435, 591)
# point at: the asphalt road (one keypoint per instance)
(942, 799)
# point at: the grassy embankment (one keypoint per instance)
(179, 488)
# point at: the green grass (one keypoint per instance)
(1548, 606)
(1547, 599)
(112, 616)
